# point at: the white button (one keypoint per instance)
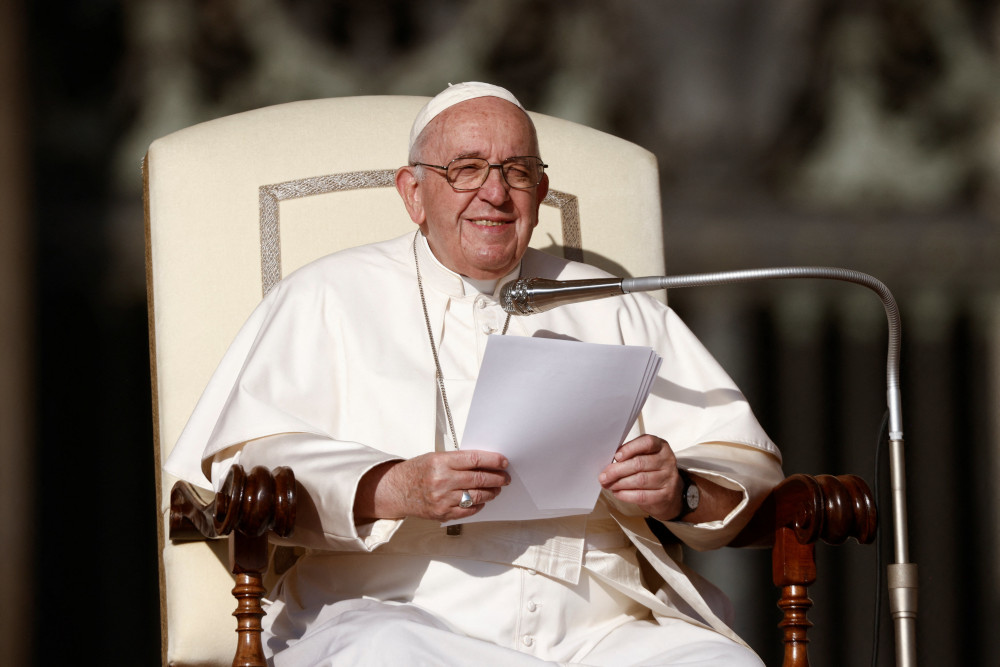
(480, 302)
(488, 329)
(531, 572)
(532, 606)
(527, 640)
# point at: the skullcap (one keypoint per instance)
(452, 95)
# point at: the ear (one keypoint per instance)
(411, 192)
(541, 190)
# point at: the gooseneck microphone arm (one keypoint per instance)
(526, 296)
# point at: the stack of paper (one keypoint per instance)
(558, 410)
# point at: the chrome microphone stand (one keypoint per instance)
(533, 295)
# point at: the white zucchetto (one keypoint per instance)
(452, 95)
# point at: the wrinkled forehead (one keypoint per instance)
(479, 127)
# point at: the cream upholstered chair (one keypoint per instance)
(234, 204)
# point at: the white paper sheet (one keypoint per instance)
(557, 410)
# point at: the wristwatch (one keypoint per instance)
(690, 494)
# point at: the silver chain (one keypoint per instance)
(430, 337)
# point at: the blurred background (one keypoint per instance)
(857, 134)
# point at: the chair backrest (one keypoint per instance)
(235, 203)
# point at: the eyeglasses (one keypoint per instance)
(470, 173)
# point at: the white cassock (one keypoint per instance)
(333, 375)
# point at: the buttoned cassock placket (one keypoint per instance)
(462, 318)
(371, 356)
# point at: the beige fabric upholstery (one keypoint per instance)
(224, 212)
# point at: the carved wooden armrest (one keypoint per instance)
(247, 507)
(797, 513)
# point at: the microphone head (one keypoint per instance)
(528, 296)
(515, 297)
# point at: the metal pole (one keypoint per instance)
(902, 574)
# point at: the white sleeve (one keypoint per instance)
(327, 474)
(751, 471)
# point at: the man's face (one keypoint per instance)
(481, 234)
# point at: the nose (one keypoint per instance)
(495, 190)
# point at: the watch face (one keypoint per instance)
(693, 497)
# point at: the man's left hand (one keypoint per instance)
(644, 473)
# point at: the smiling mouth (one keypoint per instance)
(489, 223)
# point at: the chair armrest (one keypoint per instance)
(824, 507)
(246, 508)
(249, 504)
(799, 512)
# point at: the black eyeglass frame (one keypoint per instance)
(489, 165)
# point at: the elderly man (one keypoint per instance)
(364, 392)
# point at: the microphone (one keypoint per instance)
(527, 296)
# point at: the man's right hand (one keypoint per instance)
(430, 486)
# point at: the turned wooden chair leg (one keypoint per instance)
(249, 557)
(794, 569)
